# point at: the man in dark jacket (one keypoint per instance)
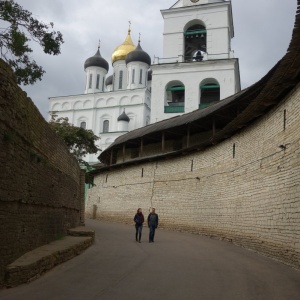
(152, 224)
(139, 220)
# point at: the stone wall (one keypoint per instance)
(40, 187)
(245, 190)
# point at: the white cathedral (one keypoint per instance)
(197, 69)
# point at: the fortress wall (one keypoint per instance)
(40, 187)
(245, 190)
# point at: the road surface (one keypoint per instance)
(176, 266)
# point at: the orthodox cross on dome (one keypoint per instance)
(139, 37)
(129, 27)
(99, 44)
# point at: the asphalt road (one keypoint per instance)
(176, 266)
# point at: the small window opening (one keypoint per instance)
(133, 75)
(195, 43)
(192, 165)
(142, 172)
(98, 82)
(83, 125)
(90, 81)
(106, 126)
(141, 76)
(120, 79)
(210, 93)
(176, 95)
(106, 178)
(284, 119)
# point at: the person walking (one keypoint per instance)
(139, 220)
(152, 224)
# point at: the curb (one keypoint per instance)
(33, 264)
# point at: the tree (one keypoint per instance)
(21, 29)
(79, 140)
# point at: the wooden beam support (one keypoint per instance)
(142, 148)
(124, 151)
(163, 141)
(214, 126)
(111, 156)
(188, 136)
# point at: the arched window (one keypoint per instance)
(90, 81)
(194, 42)
(175, 96)
(141, 76)
(98, 81)
(120, 79)
(105, 126)
(83, 125)
(209, 93)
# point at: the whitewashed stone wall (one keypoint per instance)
(252, 199)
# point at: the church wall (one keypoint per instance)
(218, 46)
(37, 175)
(95, 108)
(248, 196)
(81, 115)
(191, 75)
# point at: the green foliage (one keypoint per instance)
(89, 179)
(79, 140)
(21, 28)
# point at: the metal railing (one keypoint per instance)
(183, 58)
(174, 109)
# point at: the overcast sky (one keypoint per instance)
(263, 30)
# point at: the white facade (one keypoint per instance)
(101, 110)
(104, 101)
(198, 69)
(189, 27)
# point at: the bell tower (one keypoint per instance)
(198, 67)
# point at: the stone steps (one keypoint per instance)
(33, 264)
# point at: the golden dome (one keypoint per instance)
(121, 51)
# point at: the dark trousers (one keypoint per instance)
(151, 233)
(138, 231)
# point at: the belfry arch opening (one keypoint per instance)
(174, 97)
(209, 92)
(194, 41)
